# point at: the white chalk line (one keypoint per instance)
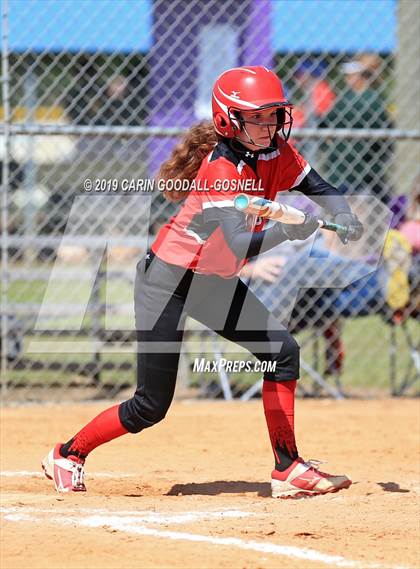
(39, 474)
(134, 524)
(135, 516)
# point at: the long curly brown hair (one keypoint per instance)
(186, 157)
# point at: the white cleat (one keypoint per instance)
(305, 479)
(68, 475)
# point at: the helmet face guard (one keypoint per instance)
(283, 125)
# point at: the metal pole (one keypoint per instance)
(4, 193)
(407, 109)
(30, 170)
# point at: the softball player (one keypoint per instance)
(192, 269)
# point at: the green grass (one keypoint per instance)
(367, 355)
(366, 340)
(25, 291)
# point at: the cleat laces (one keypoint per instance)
(315, 464)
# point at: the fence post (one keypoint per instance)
(407, 69)
(4, 192)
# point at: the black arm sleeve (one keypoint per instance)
(244, 243)
(323, 194)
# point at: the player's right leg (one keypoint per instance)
(158, 346)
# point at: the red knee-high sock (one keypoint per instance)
(279, 409)
(103, 428)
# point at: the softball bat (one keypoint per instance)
(282, 213)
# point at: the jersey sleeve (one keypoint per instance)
(294, 173)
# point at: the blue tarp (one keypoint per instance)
(126, 25)
(334, 25)
(80, 25)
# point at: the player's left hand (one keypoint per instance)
(355, 228)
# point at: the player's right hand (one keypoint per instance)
(355, 227)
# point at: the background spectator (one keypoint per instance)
(359, 165)
(119, 105)
(315, 100)
(114, 100)
(318, 97)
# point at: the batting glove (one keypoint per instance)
(352, 222)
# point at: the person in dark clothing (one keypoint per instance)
(359, 165)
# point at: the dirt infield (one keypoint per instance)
(193, 491)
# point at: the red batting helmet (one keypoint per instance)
(246, 89)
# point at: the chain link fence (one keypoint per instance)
(94, 97)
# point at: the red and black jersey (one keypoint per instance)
(209, 235)
(193, 238)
